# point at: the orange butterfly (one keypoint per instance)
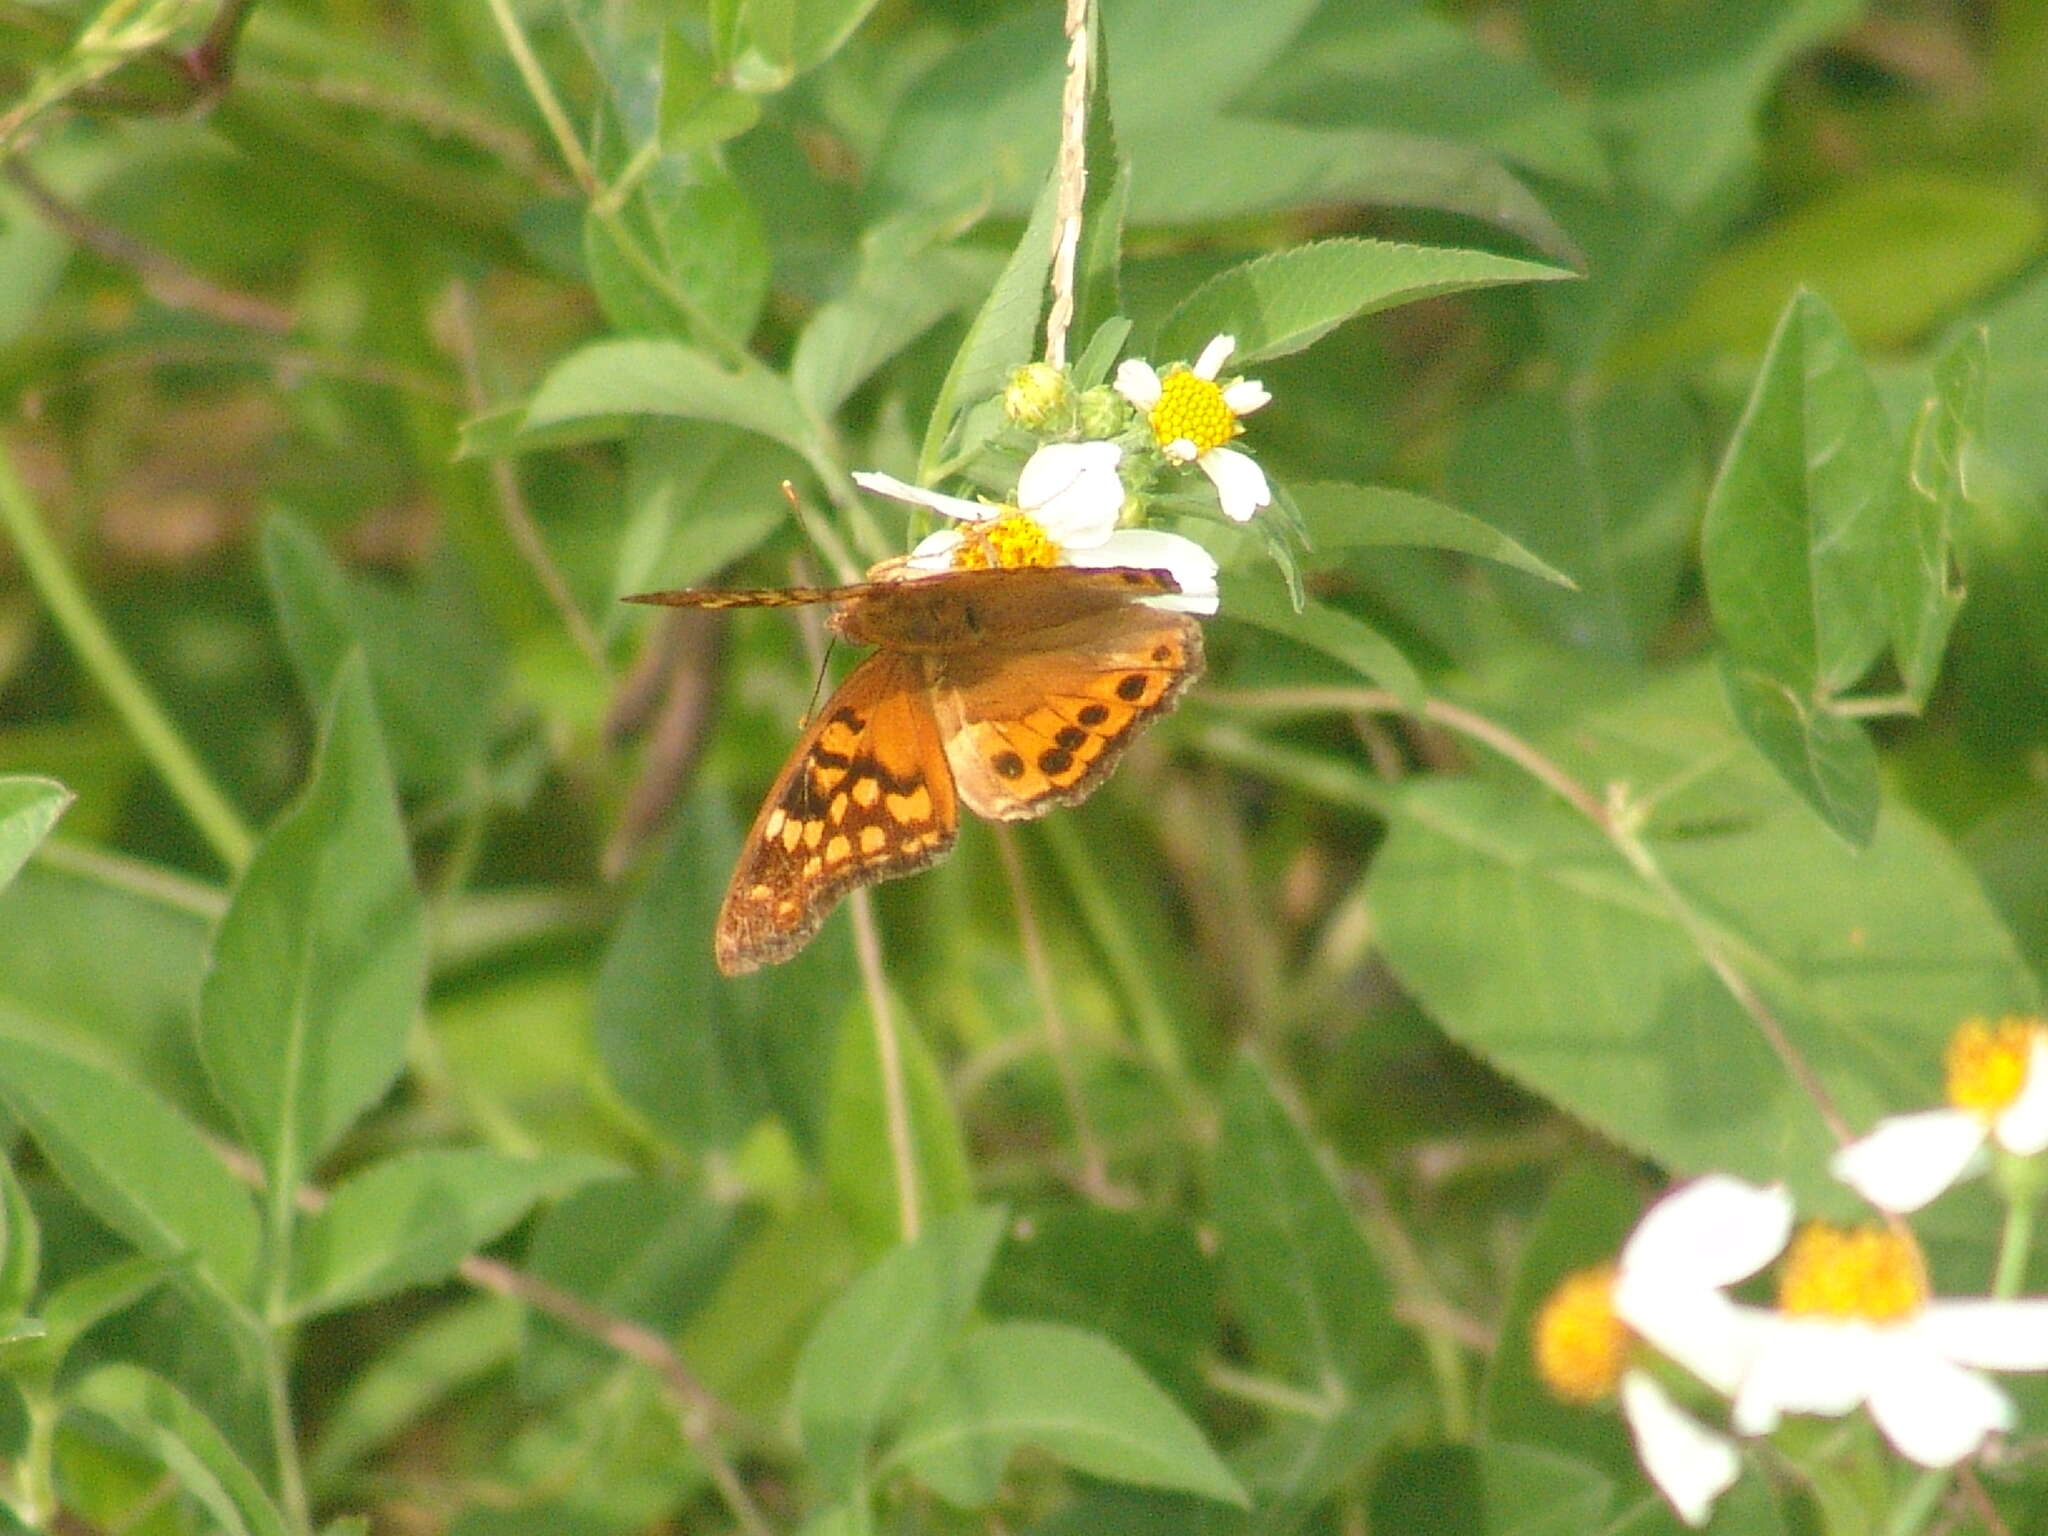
(1011, 690)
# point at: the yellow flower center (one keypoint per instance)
(1872, 1273)
(1987, 1063)
(1191, 408)
(1009, 541)
(1581, 1345)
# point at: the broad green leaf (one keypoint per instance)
(893, 301)
(1371, 516)
(134, 1162)
(1261, 598)
(1920, 572)
(1071, 1394)
(859, 1164)
(434, 666)
(1001, 336)
(21, 1247)
(884, 1337)
(96, 1295)
(191, 1447)
(1827, 760)
(409, 1220)
(1306, 1287)
(1297, 1464)
(29, 807)
(640, 376)
(1287, 300)
(1530, 941)
(821, 27)
(1800, 519)
(698, 497)
(318, 968)
(1532, 1491)
(693, 222)
(698, 107)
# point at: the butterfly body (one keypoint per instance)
(1008, 691)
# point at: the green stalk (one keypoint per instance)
(90, 640)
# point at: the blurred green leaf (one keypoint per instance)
(318, 968)
(21, 1247)
(1827, 760)
(1921, 573)
(134, 1162)
(1801, 517)
(883, 1339)
(896, 297)
(1532, 1492)
(29, 807)
(1069, 1393)
(410, 1219)
(1371, 516)
(1260, 598)
(685, 255)
(1287, 300)
(1307, 1288)
(642, 377)
(191, 1448)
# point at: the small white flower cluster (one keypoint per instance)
(1071, 498)
(1854, 1325)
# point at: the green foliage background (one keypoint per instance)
(1661, 391)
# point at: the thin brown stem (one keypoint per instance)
(1094, 1180)
(167, 280)
(1617, 820)
(1073, 183)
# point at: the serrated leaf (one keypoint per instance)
(188, 1444)
(411, 1219)
(1341, 516)
(29, 807)
(1069, 1393)
(1828, 761)
(884, 1337)
(1262, 598)
(319, 966)
(1920, 572)
(1286, 300)
(640, 376)
(1800, 518)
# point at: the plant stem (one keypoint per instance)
(544, 99)
(217, 820)
(2014, 1244)
(867, 944)
(1911, 1514)
(291, 1477)
(1073, 187)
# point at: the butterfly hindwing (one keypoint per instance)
(1041, 721)
(866, 795)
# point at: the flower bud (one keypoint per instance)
(1035, 392)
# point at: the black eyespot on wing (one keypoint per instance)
(1092, 714)
(1008, 764)
(1054, 760)
(1131, 687)
(1070, 738)
(1162, 654)
(851, 719)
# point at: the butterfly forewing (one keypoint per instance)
(865, 796)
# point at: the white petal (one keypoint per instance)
(2023, 1128)
(1214, 356)
(1713, 1231)
(1152, 549)
(1240, 483)
(1695, 1325)
(1909, 1159)
(1804, 1365)
(1072, 491)
(1992, 1335)
(1246, 396)
(952, 506)
(1181, 450)
(1933, 1410)
(1690, 1464)
(935, 551)
(1138, 382)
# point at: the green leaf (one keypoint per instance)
(1298, 1463)
(433, 665)
(1002, 334)
(698, 497)
(29, 807)
(1261, 598)
(411, 1219)
(96, 1295)
(639, 376)
(692, 220)
(698, 108)
(1341, 516)
(884, 1337)
(1306, 1286)
(1920, 572)
(1800, 518)
(318, 968)
(1536, 1492)
(1286, 300)
(1828, 761)
(821, 27)
(1071, 1394)
(1530, 941)
(897, 297)
(188, 1444)
(21, 1247)
(134, 1162)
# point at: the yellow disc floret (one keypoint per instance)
(1871, 1273)
(1581, 1345)
(1987, 1063)
(1191, 409)
(1010, 541)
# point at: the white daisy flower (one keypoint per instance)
(1997, 1094)
(1589, 1334)
(1193, 418)
(1069, 498)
